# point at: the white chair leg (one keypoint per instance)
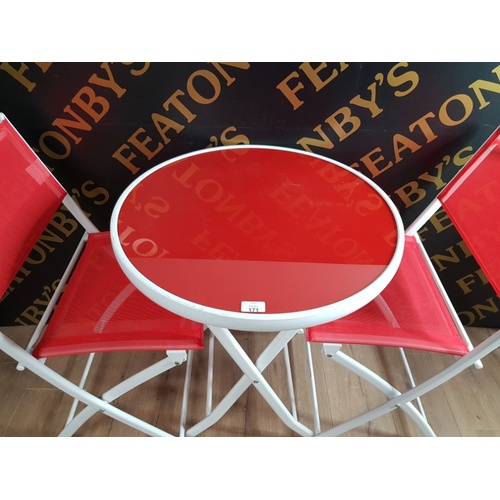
(479, 352)
(210, 373)
(82, 383)
(314, 393)
(334, 353)
(409, 373)
(291, 389)
(28, 361)
(174, 358)
(185, 394)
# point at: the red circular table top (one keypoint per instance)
(248, 237)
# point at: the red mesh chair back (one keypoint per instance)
(472, 201)
(30, 196)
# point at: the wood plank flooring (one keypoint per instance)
(468, 405)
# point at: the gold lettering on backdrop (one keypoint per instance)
(32, 314)
(468, 282)
(454, 256)
(142, 144)
(226, 139)
(203, 87)
(347, 120)
(461, 105)
(370, 103)
(454, 111)
(179, 106)
(55, 145)
(346, 125)
(97, 194)
(396, 79)
(479, 85)
(207, 77)
(424, 127)
(24, 74)
(88, 106)
(318, 77)
(138, 72)
(439, 222)
(415, 191)
(479, 311)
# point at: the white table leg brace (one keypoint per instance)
(253, 376)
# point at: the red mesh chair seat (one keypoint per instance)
(102, 311)
(411, 313)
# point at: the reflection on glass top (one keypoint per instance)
(257, 204)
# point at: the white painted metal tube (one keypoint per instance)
(482, 350)
(252, 374)
(210, 373)
(123, 387)
(289, 379)
(185, 394)
(382, 385)
(20, 355)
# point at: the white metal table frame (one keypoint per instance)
(221, 322)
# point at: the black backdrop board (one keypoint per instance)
(408, 126)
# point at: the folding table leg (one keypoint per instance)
(243, 384)
(253, 377)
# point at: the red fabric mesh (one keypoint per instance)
(83, 321)
(420, 318)
(30, 196)
(472, 202)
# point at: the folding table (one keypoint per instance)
(256, 238)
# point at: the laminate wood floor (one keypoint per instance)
(466, 406)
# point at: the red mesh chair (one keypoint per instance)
(414, 311)
(99, 311)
